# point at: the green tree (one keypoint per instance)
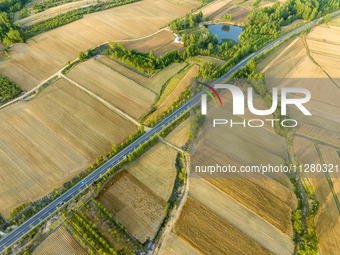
(81, 56)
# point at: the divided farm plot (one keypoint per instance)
(175, 245)
(179, 136)
(134, 205)
(155, 83)
(327, 220)
(209, 233)
(174, 88)
(156, 169)
(238, 215)
(47, 53)
(159, 43)
(50, 139)
(60, 242)
(113, 87)
(296, 69)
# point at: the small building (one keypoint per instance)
(178, 39)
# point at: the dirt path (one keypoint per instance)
(59, 73)
(175, 213)
(315, 62)
(123, 114)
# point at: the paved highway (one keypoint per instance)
(58, 203)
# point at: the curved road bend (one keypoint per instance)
(57, 204)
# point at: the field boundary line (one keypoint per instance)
(123, 114)
(328, 177)
(316, 63)
(175, 213)
(170, 144)
(59, 73)
(279, 56)
(96, 59)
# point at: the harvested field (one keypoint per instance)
(176, 246)
(331, 156)
(211, 234)
(329, 49)
(305, 151)
(327, 220)
(187, 3)
(160, 44)
(335, 22)
(115, 88)
(60, 242)
(295, 69)
(330, 34)
(330, 64)
(179, 136)
(50, 51)
(156, 169)
(155, 83)
(133, 204)
(258, 200)
(213, 8)
(174, 88)
(50, 139)
(246, 221)
(254, 146)
(239, 14)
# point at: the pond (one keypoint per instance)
(225, 32)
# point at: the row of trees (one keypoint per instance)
(197, 121)
(189, 21)
(8, 89)
(184, 97)
(118, 230)
(127, 159)
(174, 124)
(8, 32)
(91, 234)
(68, 17)
(11, 6)
(146, 63)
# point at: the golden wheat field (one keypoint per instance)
(332, 156)
(296, 68)
(156, 169)
(51, 50)
(133, 204)
(211, 234)
(60, 242)
(180, 134)
(242, 218)
(175, 245)
(50, 139)
(155, 83)
(113, 87)
(159, 43)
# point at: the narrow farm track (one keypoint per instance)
(123, 114)
(59, 73)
